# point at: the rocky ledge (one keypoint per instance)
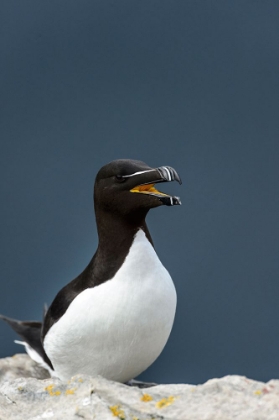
(27, 392)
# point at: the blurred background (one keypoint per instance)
(190, 84)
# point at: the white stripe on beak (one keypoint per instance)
(138, 173)
(168, 173)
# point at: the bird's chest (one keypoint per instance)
(127, 315)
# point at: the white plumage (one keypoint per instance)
(117, 329)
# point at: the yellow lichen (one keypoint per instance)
(117, 412)
(258, 392)
(51, 392)
(70, 391)
(165, 402)
(146, 398)
(80, 380)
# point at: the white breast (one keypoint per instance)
(119, 328)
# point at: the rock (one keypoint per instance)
(20, 366)
(84, 397)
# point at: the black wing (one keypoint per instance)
(30, 332)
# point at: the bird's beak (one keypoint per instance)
(151, 177)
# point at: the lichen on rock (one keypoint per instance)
(26, 392)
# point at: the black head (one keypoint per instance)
(126, 187)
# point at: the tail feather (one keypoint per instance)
(45, 310)
(30, 332)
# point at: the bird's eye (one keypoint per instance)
(120, 178)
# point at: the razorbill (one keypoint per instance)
(115, 318)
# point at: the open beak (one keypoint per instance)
(161, 174)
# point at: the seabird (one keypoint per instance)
(115, 318)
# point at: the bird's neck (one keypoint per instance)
(117, 232)
(116, 235)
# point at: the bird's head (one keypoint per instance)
(128, 187)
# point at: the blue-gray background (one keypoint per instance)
(191, 84)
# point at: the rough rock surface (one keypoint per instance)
(25, 393)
